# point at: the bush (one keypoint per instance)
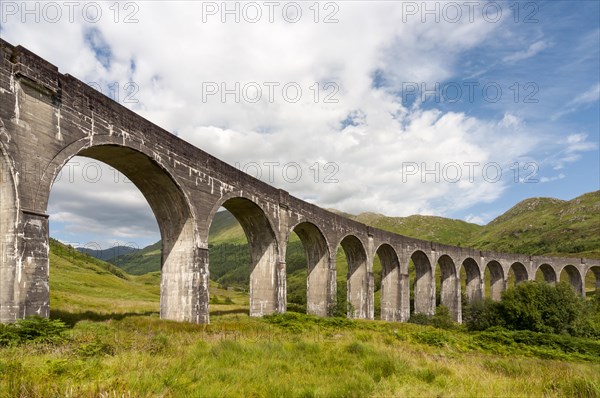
(442, 319)
(483, 314)
(538, 307)
(32, 329)
(541, 307)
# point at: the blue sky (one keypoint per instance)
(378, 133)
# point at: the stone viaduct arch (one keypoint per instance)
(47, 117)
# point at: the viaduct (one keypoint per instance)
(47, 117)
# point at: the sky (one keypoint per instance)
(455, 109)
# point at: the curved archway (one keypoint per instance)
(574, 276)
(449, 287)
(548, 273)
(424, 284)
(184, 265)
(473, 281)
(265, 279)
(596, 271)
(357, 278)
(494, 277)
(392, 284)
(517, 273)
(318, 299)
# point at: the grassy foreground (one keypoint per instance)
(292, 355)
(115, 345)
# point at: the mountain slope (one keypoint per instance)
(107, 254)
(433, 228)
(226, 240)
(83, 284)
(141, 261)
(546, 226)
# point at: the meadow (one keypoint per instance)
(105, 339)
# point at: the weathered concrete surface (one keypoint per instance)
(46, 118)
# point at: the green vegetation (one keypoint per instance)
(105, 339)
(33, 329)
(436, 229)
(140, 261)
(538, 307)
(546, 226)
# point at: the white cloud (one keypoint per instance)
(475, 219)
(531, 51)
(554, 178)
(592, 95)
(172, 55)
(585, 99)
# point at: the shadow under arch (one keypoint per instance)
(496, 280)
(424, 284)
(394, 284)
(450, 287)
(266, 281)
(473, 280)
(548, 273)
(596, 271)
(519, 271)
(184, 271)
(316, 248)
(357, 278)
(575, 279)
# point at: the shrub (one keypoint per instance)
(541, 307)
(32, 329)
(442, 319)
(483, 314)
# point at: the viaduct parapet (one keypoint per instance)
(47, 117)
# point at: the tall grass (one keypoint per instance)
(292, 355)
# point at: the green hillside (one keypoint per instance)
(546, 226)
(141, 261)
(436, 229)
(83, 284)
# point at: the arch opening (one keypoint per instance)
(183, 265)
(264, 268)
(546, 273)
(357, 282)
(571, 273)
(517, 273)
(422, 284)
(449, 286)
(471, 275)
(307, 260)
(593, 287)
(392, 285)
(494, 280)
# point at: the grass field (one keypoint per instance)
(115, 345)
